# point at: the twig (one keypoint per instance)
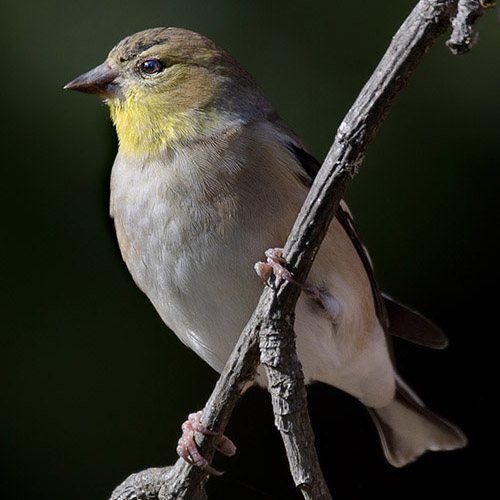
(463, 37)
(272, 321)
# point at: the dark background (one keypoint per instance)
(96, 387)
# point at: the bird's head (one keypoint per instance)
(168, 85)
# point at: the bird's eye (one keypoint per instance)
(151, 67)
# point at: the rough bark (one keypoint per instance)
(463, 37)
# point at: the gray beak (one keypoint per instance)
(99, 81)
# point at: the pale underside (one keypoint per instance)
(191, 232)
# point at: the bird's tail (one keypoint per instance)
(407, 429)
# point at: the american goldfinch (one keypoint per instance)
(207, 177)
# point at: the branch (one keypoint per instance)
(463, 37)
(270, 329)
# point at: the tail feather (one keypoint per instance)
(407, 429)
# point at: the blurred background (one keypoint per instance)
(95, 386)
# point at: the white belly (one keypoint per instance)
(196, 266)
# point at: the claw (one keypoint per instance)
(188, 449)
(264, 271)
(226, 446)
(276, 263)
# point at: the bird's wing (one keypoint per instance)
(395, 318)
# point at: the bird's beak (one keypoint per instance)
(99, 81)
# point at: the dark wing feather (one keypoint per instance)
(411, 325)
(310, 165)
(347, 223)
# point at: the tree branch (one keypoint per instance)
(270, 329)
(463, 37)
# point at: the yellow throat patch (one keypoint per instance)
(148, 120)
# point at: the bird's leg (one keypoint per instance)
(276, 263)
(188, 449)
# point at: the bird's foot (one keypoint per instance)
(188, 449)
(276, 264)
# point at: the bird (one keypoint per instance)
(206, 178)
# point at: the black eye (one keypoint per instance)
(151, 67)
